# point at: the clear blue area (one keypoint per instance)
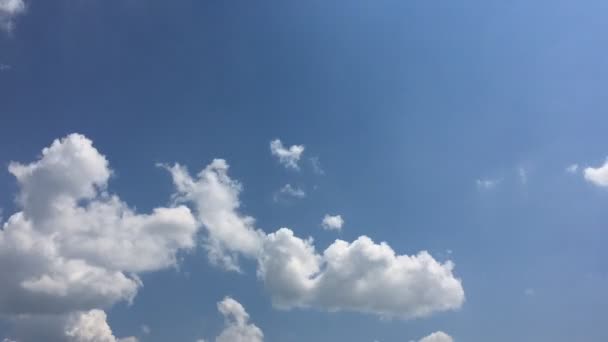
(406, 104)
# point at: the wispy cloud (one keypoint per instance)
(289, 191)
(573, 168)
(486, 183)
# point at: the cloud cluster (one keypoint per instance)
(332, 222)
(289, 157)
(73, 246)
(9, 9)
(295, 275)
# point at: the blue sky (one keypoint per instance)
(439, 127)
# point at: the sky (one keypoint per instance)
(246, 171)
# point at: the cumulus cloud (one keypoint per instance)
(73, 246)
(597, 176)
(438, 336)
(289, 157)
(379, 281)
(216, 200)
(9, 9)
(91, 326)
(334, 222)
(295, 275)
(237, 327)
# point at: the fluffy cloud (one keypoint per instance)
(360, 276)
(332, 222)
(438, 336)
(597, 176)
(379, 281)
(73, 246)
(9, 9)
(237, 327)
(216, 200)
(289, 157)
(91, 326)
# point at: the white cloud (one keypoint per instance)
(9, 9)
(597, 176)
(289, 157)
(91, 326)
(529, 292)
(332, 222)
(360, 276)
(486, 184)
(289, 191)
(75, 247)
(438, 336)
(296, 276)
(215, 197)
(237, 327)
(573, 168)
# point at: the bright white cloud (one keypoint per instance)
(9, 9)
(438, 336)
(295, 275)
(334, 222)
(486, 184)
(289, 157)
(360, 276)
(573, 168)
(237, 327)
(73, 246)
(91, 326)
(216, 200)
(597, 176)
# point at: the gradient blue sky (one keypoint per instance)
(410, 106)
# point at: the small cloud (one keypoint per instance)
(145, 329)
(316, 166)
(523, 175)
(438, 336)
(4, 67)
(449, 251)
(529, 292)
(289, 191)
(572, 168)
(486, 183)
(332, 222)
(288, 157)
(597, 176)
